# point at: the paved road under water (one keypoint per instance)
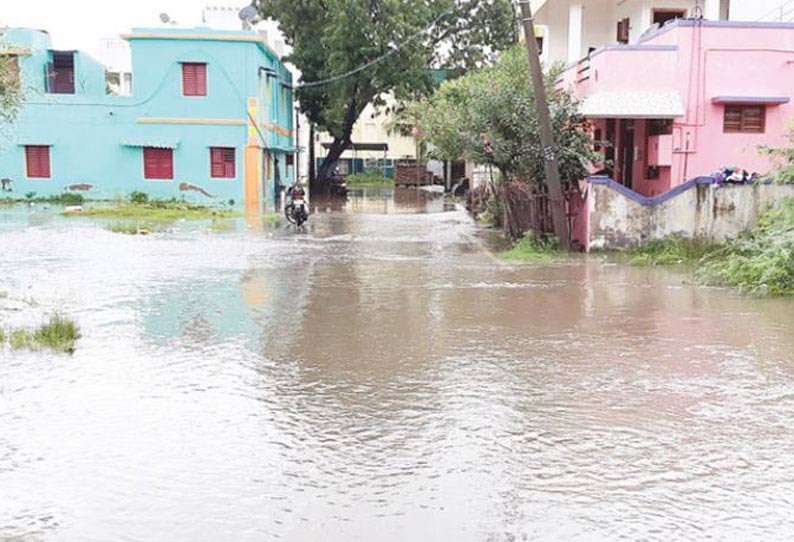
(379, 377)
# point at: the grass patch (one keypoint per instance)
(272, 218)
(58, 334)
(67, 198)
(530, 250)
(21, 339)
(2, 336)
(136, 228)
(674, 250)
(156, 211)
(760, 262)
(363, 180)
(223, 226)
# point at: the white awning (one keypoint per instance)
(633, 105)
(157, 143)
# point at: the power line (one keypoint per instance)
(775, 12)
(381, 58)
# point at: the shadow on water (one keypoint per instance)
(376, 376)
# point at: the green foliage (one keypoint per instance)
(2, 336)
(760, 262)
(369, 179)
(156, 211)
(223, 226)
(139, 198)
(136, 228)
(529, 249)
(69, 198)
(334, 37)
(497, 104)
(58, 334)
(21, 339)
(671, 251)
(11, 91)
(783, 158)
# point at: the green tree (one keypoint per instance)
(331, 38)
(11, 94)
(496, 105)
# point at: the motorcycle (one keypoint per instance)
(296, 210)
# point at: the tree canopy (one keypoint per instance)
(10, 88)
(335, 37)
(489, 117)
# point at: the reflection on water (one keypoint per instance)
(379, 377)
(375, 200)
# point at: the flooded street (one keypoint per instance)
(380, 377)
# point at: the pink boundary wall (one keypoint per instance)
(702, 61)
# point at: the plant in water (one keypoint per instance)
(673, 250)
(70, 198)
(21, 339)
(759, 262)
(135, 228)
(139, 198)
(529, 249)
(2, 336)
(58, 334)
(369, 179)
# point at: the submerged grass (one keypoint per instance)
(531, 250)
(156, 211)
(366, 180)
(136, 228)
(760, 262)
(58, 334)
(674, 250)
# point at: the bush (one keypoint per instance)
(671, 251)
(2, 336)
(139, 198)
(759, 262)
(69, 198)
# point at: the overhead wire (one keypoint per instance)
(774, 12)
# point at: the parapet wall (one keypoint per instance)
(619, 218)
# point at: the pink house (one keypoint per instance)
(688, 98)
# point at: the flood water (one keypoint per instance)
(379, 377)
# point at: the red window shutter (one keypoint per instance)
(37, 160)
(222, 162)
(158, 163)
(194, 79)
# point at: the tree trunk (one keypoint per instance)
(338, 148)
(339, 145)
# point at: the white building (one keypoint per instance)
(115, 54)
(568, 30)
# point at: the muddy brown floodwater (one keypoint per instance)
(379, 377)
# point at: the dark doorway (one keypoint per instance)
(60, 73)
(626, 153)
(661, 16)
(609, 149)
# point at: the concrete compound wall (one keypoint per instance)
(618, 218)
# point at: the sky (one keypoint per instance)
(80, 24)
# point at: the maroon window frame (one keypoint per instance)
(194, 79)
(222, 162)
(37, 161)
(158, 163)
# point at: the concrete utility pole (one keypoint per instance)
(551, 166)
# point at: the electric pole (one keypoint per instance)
(550, 164)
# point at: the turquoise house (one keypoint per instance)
(210, 119)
